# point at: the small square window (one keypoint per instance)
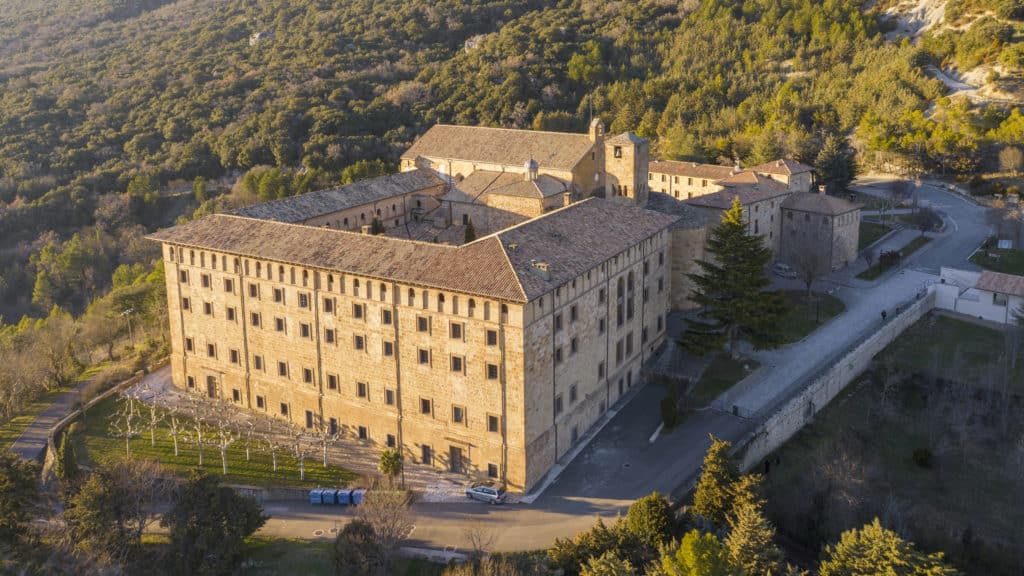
(229, 285)
(425, 406)
(360, 343)
(424, 356)
(307, 375)
(254, 319)
(231, 314)
(492, 337)
(279, 295)
(184, 276)
(205, 280)
(211, 350)
(422, 324)
(257, 362)
(304, 330)
(389, 397)
(234, 356)
(362, 390)
(389, 348)
(190, 381)
(492, 371)
(329, 335)
(254, 290)
(186, 304)
(391, 442)
(260, 402)
(332, 382)
(492, 470)
(236, 396)
(303, 300)
(208, 308)
(279, 324)
(492, 423)
(457, 363)
(329, 305)
(385, 317)
(458, 414)
(282, 369)
(456, 330)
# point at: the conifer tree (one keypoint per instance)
(713, 497)
(750, 544)
(697, 555)
(732, 283)
(874, 550)
(835, 164)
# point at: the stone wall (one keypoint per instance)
(687, 248)
(796, 413)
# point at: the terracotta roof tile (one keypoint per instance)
(749, 187)
(818, 203)
(783, 166)
(1001, 283)
(502, 146)
(712, 172)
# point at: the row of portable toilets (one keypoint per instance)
(340, 497)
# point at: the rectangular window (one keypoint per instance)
(456, 330)
(260, 402)
(229, 285)
(279, 295)
(385, 317)
(492, 337)
(426, 455)
(304, 330)
(307, 375)
(574, 345)
(234, 356)
(362, 390)
(257, 362)
(185, 304)
(206, 280)
(389, 348)
(424, 356)
(357, 311)
(558, 355)
(457, 364)
(303, 300)
(492, 371)
(618, 352)
(190, 381)
(558, 405)
(391, 442)
(329, 305)
(389, 397)
(572, 394)
(458, 415)
(282, 369)
(643, 335)
(329, 335)
(425, 406)
(184, 276)
(254, 290)
(629, 344)
(558, 322)
(254, 319)
(601, 296)
(188, 344)
(284, 409)
(231, 314)
(422, 324)
(332, 382)
(236, 396)
(492, 423)
(600, 326)
(279, 324)
(364, 434)
(573, 313)
(360, 343)
(211, 350)
(208, 308)
(333, 426)
(492, 470)
(600, 370)
(309, 418)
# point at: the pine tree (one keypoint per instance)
(650, 520)
(732, 284)
(745, 491)
(835, 164)
(713, 497)
(470, 232)
(874, 550)
(608, 564)
(697, 555)
(750, 544)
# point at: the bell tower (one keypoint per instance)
(626, 158)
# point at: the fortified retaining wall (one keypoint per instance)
(788, 419)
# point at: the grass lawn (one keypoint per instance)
(855, 460)
(721, 374)
(870, 232)
(805, 316)
(1007, 261)
(95, 444)
(877, 269)
(280, 556)
(12, 429)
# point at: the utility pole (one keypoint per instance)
(127, 314)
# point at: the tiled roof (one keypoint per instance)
(570, 240)
(502, 146)
(818, 204)
(575, 239)
(749, 187)
(712, 172)
(306, 206)
(626, 138)
(478, 185)
(1001, 283)
(686, 216)
(784, 167)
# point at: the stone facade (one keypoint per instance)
(819, 222)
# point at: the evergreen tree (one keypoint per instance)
(697, 555)
(356, 551)
(97, 517)
(746, 491)
(376, 226)
(470, 232)
(199, 189)
(732, 283)
(713, 496)
(390, 464)
(874, 550)
(65, 465)
(750, 544)
(208, 524)
(18, 490)
(608, 564)
(650, 520)
(835, 165)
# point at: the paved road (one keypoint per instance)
(32, 443)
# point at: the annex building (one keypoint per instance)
(479, 311)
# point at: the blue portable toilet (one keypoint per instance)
(316, 496)
(357, 496)
(343, 497)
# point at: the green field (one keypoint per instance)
(96, 444)
(1005, 261)
(933, 390)
(805, 316)
(877, 269)
(871, 232)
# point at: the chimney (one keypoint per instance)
(530, 168)
(540, 269)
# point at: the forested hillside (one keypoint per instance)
(105, 105)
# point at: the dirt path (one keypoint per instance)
(32, 443)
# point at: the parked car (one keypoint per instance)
(490, 492)
(783, 270)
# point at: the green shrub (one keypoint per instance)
(670, 411)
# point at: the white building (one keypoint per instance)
(986, 295)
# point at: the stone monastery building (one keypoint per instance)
(490, 356)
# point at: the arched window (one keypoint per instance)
(259, 269)
(620, 288)
(280, 273)
(426, 299)
(440, 302)
(355, 287)
(504, 313)
(346, 222)
(330, 282)
(383, 293)
(629, 284)
(237, 265)
(305, 277)
(472, 307)
(412, 297)
(487, 310)
(362, 217)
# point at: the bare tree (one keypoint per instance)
(247, 430)
(153, 414)
(225, 433)
(272, 443)
(811, 263)
(391, 517)
(199, 433)
(127, 422)
(1011, 159)
(326, 437)
(144, 485)
(176, 427)
(894, 193)
(302, 447)
(480, 539)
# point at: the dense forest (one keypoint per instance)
(120, 116)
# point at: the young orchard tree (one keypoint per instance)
(247, 430)
(326, 438)
(225, 433)
(153, 415)
(199, 431)
(302, 447)
(272, 443)
(127, 422)
(175, 427)
(732, 284)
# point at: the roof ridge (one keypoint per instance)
(324, 229)
(580, 134)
